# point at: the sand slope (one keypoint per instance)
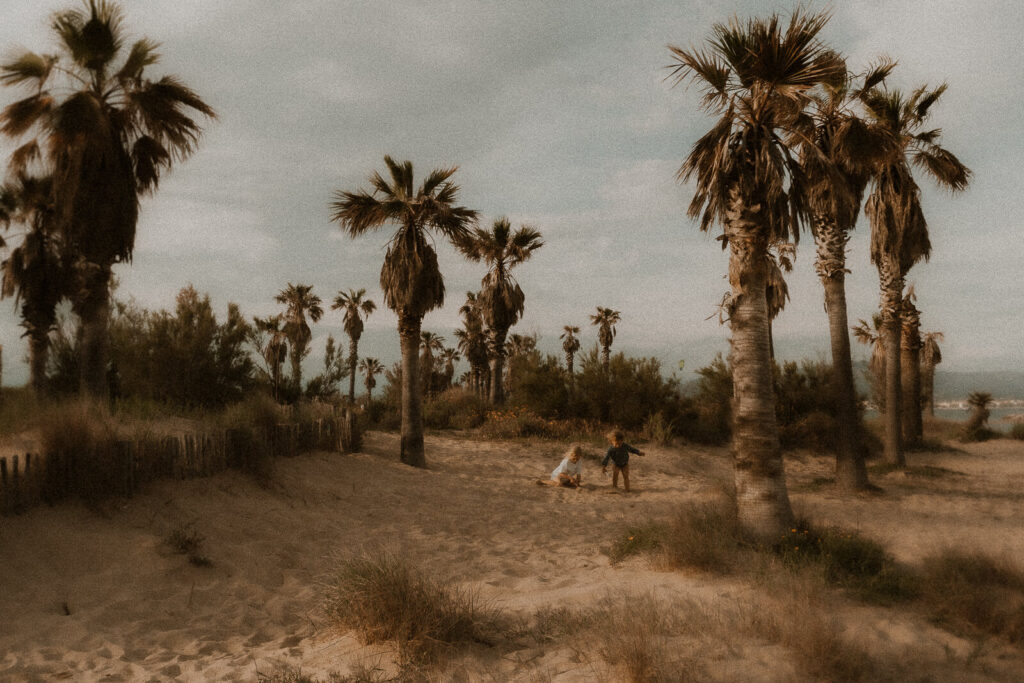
(138, 611)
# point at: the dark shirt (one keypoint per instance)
(619, 455)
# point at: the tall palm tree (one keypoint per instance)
(910, 371)
(106, 132)
(570, 345)
(430, 343)
(410, 276)
(472, 341)
(273, 348)
(757, 76)
(501, 298)
(931, 355)
(370, 367)
(300, 301)
(518, 345)
(899, 232)
(35, 271)
(837, 161)
(871, 335)
(606, 319)
(356, 309)
(450, 357)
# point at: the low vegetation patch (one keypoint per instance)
(973, 591)
(185, 540)
(635, 540)
(382, 598)
(1017, 431)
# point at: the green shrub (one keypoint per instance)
(455, 408)
(1017, 431)
(82, 433)
(658, 430)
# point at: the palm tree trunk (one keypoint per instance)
(497, 363)
(412, 399)
(93, 309)
(606, 353)
(569, 366)
(851, 472)
(928, 388)
(353, 356)
(892, 301)
(762, 501)
(296, 360)
(38, 351)
(910, 379)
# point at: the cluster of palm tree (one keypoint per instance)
(94, 133)
(286, 336)
(413, 284)
(797, 143)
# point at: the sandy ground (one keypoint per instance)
(99, 594)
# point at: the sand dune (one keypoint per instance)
(90, 595)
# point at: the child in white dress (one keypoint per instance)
(569, 472)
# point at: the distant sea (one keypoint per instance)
(995, 420)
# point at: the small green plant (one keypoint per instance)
(1017, 431)
(383, 598)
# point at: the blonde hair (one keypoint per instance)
(576, 450)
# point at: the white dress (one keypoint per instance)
(567, 466)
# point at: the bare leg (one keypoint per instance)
(615, 476)
(625, 478)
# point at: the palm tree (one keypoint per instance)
(274, 348)
(518, 345)
(910, 369)
(35, 272)
(837, 160)
(606, 319)
(356, 309)
(450, 358)
(570, 345)
(979, 401)
(501, 298)
(370, 367)
(757, 76)
(429, 344)
(106, 133)
(410, 276)
(931, 355)
(899, 232)
(300, 301)
(871, 335)
(472, 341)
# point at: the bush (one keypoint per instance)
(455, 408)
(1017, 431)
(658, 430)
(383, 598)
(637, 540)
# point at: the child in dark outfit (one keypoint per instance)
(618, 453)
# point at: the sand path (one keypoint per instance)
(91, 595)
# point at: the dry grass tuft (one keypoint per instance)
(972, 591)
(382, 598)
(185, 540)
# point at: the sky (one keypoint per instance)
(558, 115)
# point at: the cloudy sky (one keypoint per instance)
(558, 115)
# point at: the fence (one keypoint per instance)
(120, 467)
